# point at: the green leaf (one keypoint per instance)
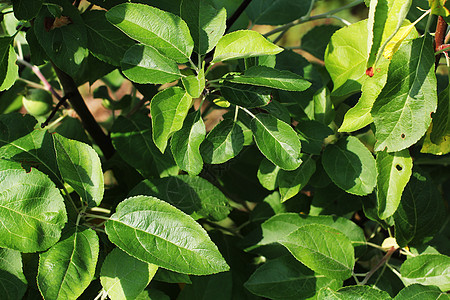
(13, 281)
(66, 45)
(248, 96)
(286, 278)
(185, 144)
(441, 119)
(279, 226)
(351, 166)
(168, 109)
(207, 23)
(356, 292)
(193, 195)
(421, 292)
(164, 275)
(277, 141)
(427, 269)
(394, 170)
(277, 12)
(323, 249)
(272, 78)
(292, 182)
(222, 143)
(194, 85)
(132, 138)
(144, 64)
(8, 67)
(67, 268)
(80, 167)
(268, 174)
(421, 212)
(402, 111)
(346, 58)
(359, 115)
(105, 41)
(312, 135)
(158, 233)
(243, 44)
(26, 9)
(123, 276)
(31, 208)
(151, 26)
(378, 16)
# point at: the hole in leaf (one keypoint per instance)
(403, 135)
(398, 167)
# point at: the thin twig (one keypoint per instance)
(384, 260)
(237, 14)
(307, 18)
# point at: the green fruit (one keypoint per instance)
(38, 102)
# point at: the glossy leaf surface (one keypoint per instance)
(277, 141)
(421, 292)
(206, 21)
(243, 44)
(353, 292)
(31, 208)
(272, 78)
(80, 167)
(168, 109)
(144, 64)
(292, 182)
(222, 143)
(248, 96)
(323, 249)
(351, 166)
(123, 276)
(427, 269)
(8, 67)
(193, 195)
(402, 111)
(67, 268)
(394, 170)
(185, 144)
(151, 26)
(158, 233)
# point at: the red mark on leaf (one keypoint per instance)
(369, 72)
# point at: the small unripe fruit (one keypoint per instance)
(38, 102)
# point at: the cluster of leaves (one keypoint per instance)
(305, 188)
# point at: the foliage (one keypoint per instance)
(232, 167)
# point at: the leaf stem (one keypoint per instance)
(308, 18)
(236, 112)
(247, 111)
(41, 76)
(96, 216)
(383, 261)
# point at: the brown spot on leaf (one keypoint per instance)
(52, 23)
(369, 72)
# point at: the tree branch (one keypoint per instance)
(439, 36)
(237, 14)
(88, 120)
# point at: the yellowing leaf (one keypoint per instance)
(438, 8)
(442, 148)
(397, 40)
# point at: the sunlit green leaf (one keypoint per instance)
(292, 182)
(245, 95)
(13, 281)
(185, 144)
(277, 141)
(427, 269)
(67, 268)
(421, 292)
(243, 44)
(394, 170)
(360, 292)
(151, 26)
(158, 233)
(123, 276)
